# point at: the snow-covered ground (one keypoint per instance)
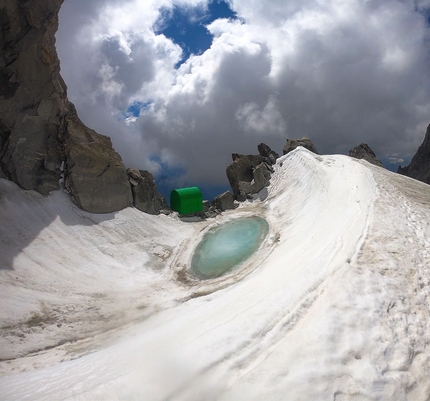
(334, 306)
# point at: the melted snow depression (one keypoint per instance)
(226, 246)
(334, 305)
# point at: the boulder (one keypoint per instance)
(249, 174)
(269, 155)
(206, 206)
(419, 168)
(292, 144)
(95, 175)
(242, 170)
(224, 201)
(363, 151)
(144, 190)
(262, 174)
(261, 179)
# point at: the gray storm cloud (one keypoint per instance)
(340, 73)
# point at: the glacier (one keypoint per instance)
(334, 305)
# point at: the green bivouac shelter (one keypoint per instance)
(186, 200)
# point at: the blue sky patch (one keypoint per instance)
(136, 108)
(186, 26)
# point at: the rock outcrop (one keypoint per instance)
(265, 151)
(363, 151)
(39, 130)
(242, 170)
(32, 94)
(94, 173)
(145, 195)
(292, 144)
(224, 201)
(249, 174)
(261, 179)
(419, 168)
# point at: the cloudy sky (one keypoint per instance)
(179, 85)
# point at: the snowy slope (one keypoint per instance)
(334, 305)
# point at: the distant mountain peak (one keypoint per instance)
(419, 168)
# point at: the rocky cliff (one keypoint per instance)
(41, 136)
(32, 94)
(419, 168)
(94, 175)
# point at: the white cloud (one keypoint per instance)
(268, 119)
(338, 72)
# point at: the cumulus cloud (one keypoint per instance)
(341, 73)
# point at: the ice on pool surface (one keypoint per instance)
(228, 245)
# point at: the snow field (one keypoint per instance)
(333, 306)
(83, 272)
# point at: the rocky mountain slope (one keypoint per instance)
(42, 140)
(43, 143)
(419, 168)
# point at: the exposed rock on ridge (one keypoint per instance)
(292, 144)
(265, 151)
(39, 128)
(249, 174)
(419, 168)
(363, 151)
(224, 201)
(145, 196)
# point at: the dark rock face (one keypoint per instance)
(145, 196)
(224, 201)
(94, 173)
(363, 151)
(261, 179)
(292, 144)
(242, 170)
(39, 128)
(32, 94)
(249, 174)
(265, 151)
(419, 168)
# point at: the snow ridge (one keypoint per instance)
(333, 306)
